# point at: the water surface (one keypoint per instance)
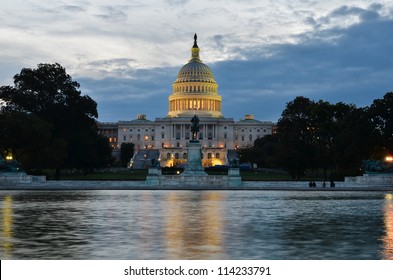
(196, 225)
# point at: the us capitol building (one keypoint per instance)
(165, 139)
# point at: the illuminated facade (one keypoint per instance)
(194, 92)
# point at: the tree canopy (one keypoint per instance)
(126, 153)
(335, 138)
(48, 94)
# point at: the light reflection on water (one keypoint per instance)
(196, 225)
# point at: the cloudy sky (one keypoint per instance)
(263, 53)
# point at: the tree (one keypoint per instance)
(295, 132)
(25, 135)
(353, 142)
(126, 153)
(49, 93)
(267, 150)
(319, 135)
(248, 154)
(380, 115)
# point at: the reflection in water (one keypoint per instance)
(388, 219)
(196, 225)
(6, 242)
(193, 226)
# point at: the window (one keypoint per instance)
(225, 135)
(200, 136)
(168, 156)
(138, 137)
(162, 127)
(124, 138)
(146, 138)
(250, 137)
(178, 145)
(209, 156)
(152, 138)
(177, 156)
(184, 155)
(217, 155)
(242, 138)
(162, 135)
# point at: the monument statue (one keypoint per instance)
(194, 127)
(195, 41)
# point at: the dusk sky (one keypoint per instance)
(263, 53)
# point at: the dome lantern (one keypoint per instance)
(195, 51)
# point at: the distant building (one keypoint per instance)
(194, 92)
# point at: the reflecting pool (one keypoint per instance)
(196, 225)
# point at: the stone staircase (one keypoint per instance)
(142, 159)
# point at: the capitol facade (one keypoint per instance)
(195, 92)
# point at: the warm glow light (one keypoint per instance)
(389, 196)
(387, 252)
(177, 172)
(208, 226)
(389, 158)
(9, 157)
(7, 234)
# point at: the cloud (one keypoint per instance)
(345, 16)
(126, 55)
(146, 92)
(355, 68)
(177, 2)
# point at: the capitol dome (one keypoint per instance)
(195, 71)
(195, 91)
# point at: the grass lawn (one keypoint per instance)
(121, 175)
